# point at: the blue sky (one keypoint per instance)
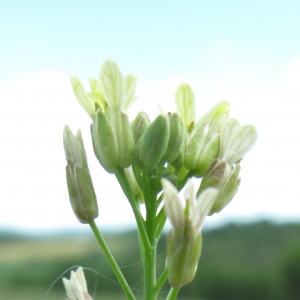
(247, 52)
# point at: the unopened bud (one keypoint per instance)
(140, 125)
(226, 179)
(201, 151)
(155, 141)
(105, 142)
(80, 186)
(176, 138)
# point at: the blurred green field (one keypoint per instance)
(255, 261)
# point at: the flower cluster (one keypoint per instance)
(157, 155)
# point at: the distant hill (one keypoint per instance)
(239, 262)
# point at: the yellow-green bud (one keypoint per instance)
(80, 186)
(226, 179)
(140, 125)
(176, 138)
(155, 141)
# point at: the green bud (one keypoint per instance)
(125, 141)
(105, 142)
(155, 141)
(223, 177)
(201, 152)
(80, 186)
(140, 125)
(182, 257)
(194, 147)
(135, 189)
(178, 162)
(176, 138)
(136, 154)
(209, 154)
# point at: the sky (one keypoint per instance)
(246, 52)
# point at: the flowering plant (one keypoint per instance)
(153, 161)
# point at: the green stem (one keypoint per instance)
(150, 256)
(173, 294)
(120, 174)
(161, 280)
(112, 261)
(160, 222)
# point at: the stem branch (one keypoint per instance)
(112, 261)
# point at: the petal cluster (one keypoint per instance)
(76, 287)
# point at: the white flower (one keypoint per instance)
(184, 241)
(236, 141)
(195, 210)
(76, 287)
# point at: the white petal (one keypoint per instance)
(130, 86)
(82, 97)
(205, 203)
(185, 103)
(81, 279)
(112, 84)
(69, 289)
(76, 287)
(241, 143)
(226, 134)
(173, 206)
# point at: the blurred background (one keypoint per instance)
(245, 52)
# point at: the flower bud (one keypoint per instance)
(223, 177)
(201, 151)
(140, 125)
(135, 189)
(176, 138)
(105, 142)
(155, 141)
(125, 140)
(80, 186)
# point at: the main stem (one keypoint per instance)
(112, 261)
(150, 194)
